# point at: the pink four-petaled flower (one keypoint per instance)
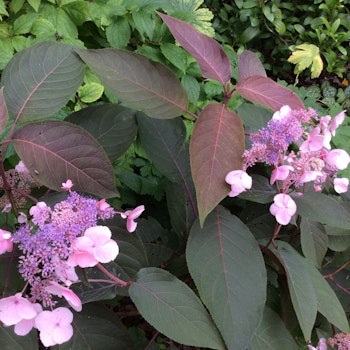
(239, 180)
(283, 208)
(55, 326)
(95, 246)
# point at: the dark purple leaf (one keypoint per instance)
(139, 82)
(249, 64)
(55, 151)
(216, 148)
(112, 125)
(265, 91)
(210, 56)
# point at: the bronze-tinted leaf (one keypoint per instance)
(137, 81)
(265, 91)
(216, 148)
(210, 56)
(249, 64)
(55, 151)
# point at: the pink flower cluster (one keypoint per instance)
(56, 241)
(315, 162)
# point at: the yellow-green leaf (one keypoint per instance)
(90, 92)
(307, 56)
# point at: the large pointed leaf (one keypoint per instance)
(174, 309)
(264, 91)
(10, 341)
(249, 64)
(210, 56)
(137, 81)
(98, 328)
(314, 241)
(300, 286)
(316, 206)
(228, 269)
(112, 125)
(216, 148)
(272, 334)
(164, 143)
(55, 151)
(327, 301)
(3, 111)
(40, 80)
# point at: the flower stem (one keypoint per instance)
(112, 277)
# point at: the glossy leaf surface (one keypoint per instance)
(216, 148)
(228, 269)
(55, 151)
(137, 81)
(40, 80)
(210, 56)
(264, 91)
(172, 307)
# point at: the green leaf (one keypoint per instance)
(171, 307)
(112, 125)
(98, 328)
(305, 56)
(10, 341)
(314, 241)
(118, 33)
(316, 206)
(23, 24)
(66, 28)
(90, 92)
(137, 81)
(144, 22)
(163, 141)
(228, 269)
(255, 117)
(191, 86)
(272, 334)
(175, 55)
(216, 148)
(49, 72)
(181, 201)
(35, 4)
(55, 151)
(16, 5)
(3, 111)
(301, 288)
(327, 301)
(43, 29)
(261, 191)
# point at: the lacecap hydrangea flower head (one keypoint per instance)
(314, 162)
(51, 244)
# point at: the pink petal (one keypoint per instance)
(106, 253)
(98, 234)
